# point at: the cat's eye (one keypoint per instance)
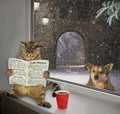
(38, 46)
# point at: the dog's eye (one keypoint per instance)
(93, 71)
(101, 72)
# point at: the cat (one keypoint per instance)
(31, 51)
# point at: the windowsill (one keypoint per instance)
(82, 101)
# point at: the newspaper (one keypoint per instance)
(27, 73)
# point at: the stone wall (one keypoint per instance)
(102, 42)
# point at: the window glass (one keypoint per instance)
(80, 47)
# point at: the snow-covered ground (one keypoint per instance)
(82, 77)
(77, 77)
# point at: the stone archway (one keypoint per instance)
(70, 51)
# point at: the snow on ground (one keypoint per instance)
(82, 77)
(77, 77)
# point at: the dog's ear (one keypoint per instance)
(89, 66)
(108, 67)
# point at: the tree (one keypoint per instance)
(110, 9)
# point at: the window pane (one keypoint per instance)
(72, 37)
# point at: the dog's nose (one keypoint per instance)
(96, 77)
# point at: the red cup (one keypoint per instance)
(62, 97)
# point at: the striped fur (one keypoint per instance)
(31, 51)
(54, 86)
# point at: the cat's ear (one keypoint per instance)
(37, 45)
(23, 43)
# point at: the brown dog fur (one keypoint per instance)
(99, 76)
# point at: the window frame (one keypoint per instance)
(88, 90)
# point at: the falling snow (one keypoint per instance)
(94, 41)
(70, 49)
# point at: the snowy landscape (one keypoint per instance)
(82, 77)
(74, 37)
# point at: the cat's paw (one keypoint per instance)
(9, 72)
(45, 104)
(46, 74)
(4, 93)
(53, 94)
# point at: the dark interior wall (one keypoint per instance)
(101, 40)
(11, 106)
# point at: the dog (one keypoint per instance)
(99, 76)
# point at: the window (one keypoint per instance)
(71, 37)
